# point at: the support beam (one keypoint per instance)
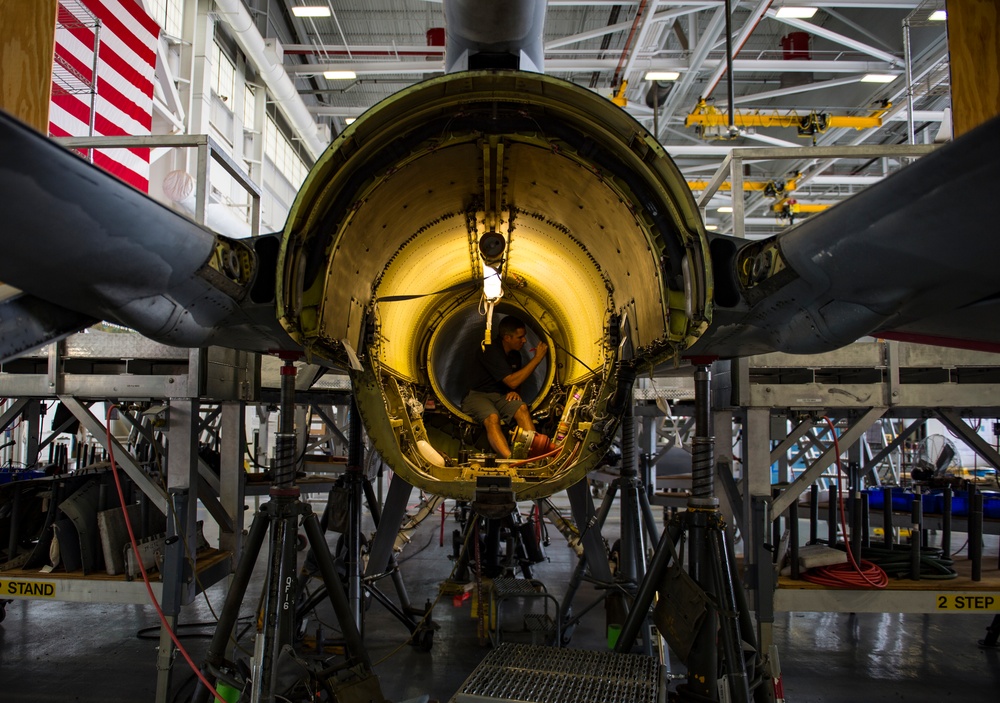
(891, 447)
(954, 421)
(232, 475)
(13, 412)
(836, 38)
(388, 527)
(98, 431)
(793, 437)
(852, 435)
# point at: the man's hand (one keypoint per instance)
(541, 349)
(513, 396)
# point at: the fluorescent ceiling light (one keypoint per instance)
(662, 75)
(311, 11)
(725, 208)
(878, 78)
(799, 13)
(711, 228)
(339, 75)
(938, 16)
(349, 120)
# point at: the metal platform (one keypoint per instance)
(958, 596)
(534, 674)
(213, 565)
(895, 375)
(124, 364)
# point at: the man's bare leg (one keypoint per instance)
(494, 433)
(523, 418)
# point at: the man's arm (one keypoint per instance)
(515, 379)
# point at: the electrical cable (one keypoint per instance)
(142, 568)
(853, 574)
(536, 458)
(554, 342)
(896, 562)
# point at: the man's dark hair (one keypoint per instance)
(510, 325)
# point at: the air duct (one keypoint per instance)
(285, 95)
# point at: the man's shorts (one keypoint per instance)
(479, 406)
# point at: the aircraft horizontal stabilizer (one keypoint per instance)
(27, 323)
(88, 243)
(913, 257)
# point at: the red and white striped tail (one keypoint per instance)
(126, 41)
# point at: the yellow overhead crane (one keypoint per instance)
(772, 188)
(713, 123)
(787, 208)
(784, 207)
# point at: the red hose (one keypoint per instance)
(851, 574)
(867, 575)
(142, 569)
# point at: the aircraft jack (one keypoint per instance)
(703, 612)
(280, 517)
(638, 524)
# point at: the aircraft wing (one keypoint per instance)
(84, 246)
(913, 258)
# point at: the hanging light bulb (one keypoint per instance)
(492, 292)
(492, 288)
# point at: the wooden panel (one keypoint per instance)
(974, 45)
(27, 42)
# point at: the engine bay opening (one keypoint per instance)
(581, 216)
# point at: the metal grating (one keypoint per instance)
(67, 80)
(532, 673)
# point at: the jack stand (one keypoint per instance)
(638, 525)
(702, 613)
(281, 516)
(382, 561)
(992, 635)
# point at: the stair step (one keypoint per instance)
(539, 622)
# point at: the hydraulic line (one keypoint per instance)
(934, 565)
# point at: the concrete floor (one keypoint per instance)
(88, 653)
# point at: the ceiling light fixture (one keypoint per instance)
(339, 75)
(349, 120)
(711, 228)
(311, 11)
(725, 208)
(799, 13)
(662, 75)
(938, 16)
(878, 78)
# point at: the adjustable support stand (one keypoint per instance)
(280, 518)
(992, 635)
(382, 560)
(703, 614)
(638, 525)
